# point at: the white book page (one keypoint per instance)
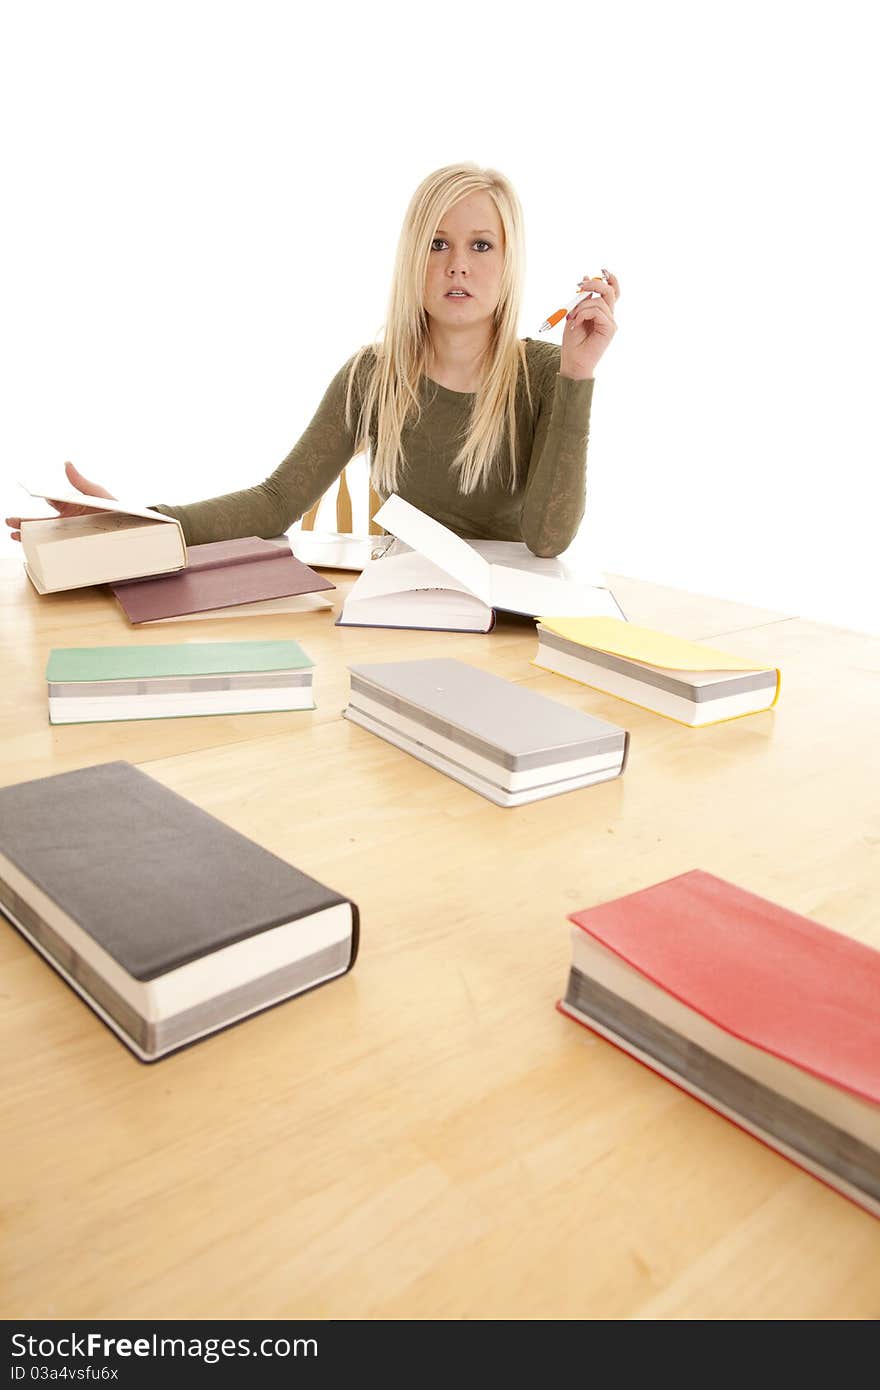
(516, 555)
(405, 573)
(448, 551)
(335, 550)
(539, 595)
(66, 493)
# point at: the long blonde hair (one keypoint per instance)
(389, 388)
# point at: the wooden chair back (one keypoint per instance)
(343, 510)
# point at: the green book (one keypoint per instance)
(91, 684)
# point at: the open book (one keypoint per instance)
(445, 583)
(115, 541)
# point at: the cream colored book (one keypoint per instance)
(117, 541)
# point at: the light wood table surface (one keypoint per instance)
(428, 1137)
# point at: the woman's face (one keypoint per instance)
(467, 253)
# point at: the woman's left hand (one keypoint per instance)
(589, 328)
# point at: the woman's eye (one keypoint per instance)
(438, 243)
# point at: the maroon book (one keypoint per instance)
(220, 574)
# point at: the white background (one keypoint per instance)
(202, 203)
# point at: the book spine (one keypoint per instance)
(278, 552)
(197, 566)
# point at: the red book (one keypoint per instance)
(220, 574)
(768, 1017)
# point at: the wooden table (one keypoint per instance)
(428, 1137)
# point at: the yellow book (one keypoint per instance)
(686, 681)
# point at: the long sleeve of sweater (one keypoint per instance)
(555, 493)
(544, 509)
(300, 480)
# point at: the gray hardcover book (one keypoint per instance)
(167, 921)
(503, 740)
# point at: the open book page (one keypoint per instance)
(516, 555)
(404, 571)
(66, 493)
(336, 550)
(528, 584)
(518, 591)
(437, 543)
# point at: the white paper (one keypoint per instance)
(336, 550)
(404, 573)
(528, 584)
(100, 504)
(539, 594)
(448, 551)
(516, 555)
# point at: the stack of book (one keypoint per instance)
(510, 744)
(686, 681)
(764, 1015)
(167, 922)
(91, 684)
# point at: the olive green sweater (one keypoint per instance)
(544, 509)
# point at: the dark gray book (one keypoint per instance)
(507, 742)
(169, 923)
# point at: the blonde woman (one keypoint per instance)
(482, 430)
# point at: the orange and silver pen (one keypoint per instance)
(552, 321)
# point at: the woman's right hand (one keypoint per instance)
(65, 508)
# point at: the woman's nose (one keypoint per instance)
(460, 261)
